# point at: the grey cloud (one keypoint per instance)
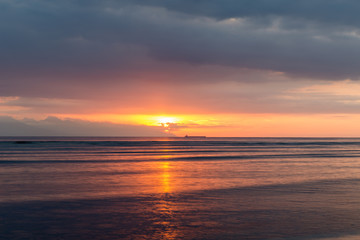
(269, 97)
(53, 126)
(342, 12)
(12, 127)
(216, 97)
(46, 45)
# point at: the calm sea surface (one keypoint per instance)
(178, 188)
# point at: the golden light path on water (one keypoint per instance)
(166, 177)
(164, 207)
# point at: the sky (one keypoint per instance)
(232, 68)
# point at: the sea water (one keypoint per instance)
(179, 188)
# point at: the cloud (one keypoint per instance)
(270, 96)
(48, 45)
(340, 12)
(123, 57)
(53, 126)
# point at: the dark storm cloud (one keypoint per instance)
(342, 12)
(57, 43)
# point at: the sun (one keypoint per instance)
(166, 120)
(167, 123)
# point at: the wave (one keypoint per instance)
(192, 158)
(186, 143)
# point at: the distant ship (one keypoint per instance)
(187, 136)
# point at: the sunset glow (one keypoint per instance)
(167, 120)
(245, 125)
(111, 80)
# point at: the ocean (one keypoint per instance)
(179, 188)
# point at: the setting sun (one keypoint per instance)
(166, 120)
(156, 120)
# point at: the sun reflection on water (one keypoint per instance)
(165, 208)
(165, 178)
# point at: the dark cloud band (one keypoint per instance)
(59, 42)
